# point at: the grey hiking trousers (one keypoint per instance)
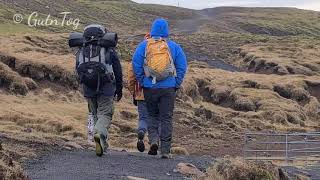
(102, 109)
(160, 105)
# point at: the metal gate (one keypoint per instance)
(282, 146)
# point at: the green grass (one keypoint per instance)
(125, 16)
(11, 29)
(133, 16)
(118, 16)
(287, 20)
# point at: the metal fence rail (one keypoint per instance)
(282, 146)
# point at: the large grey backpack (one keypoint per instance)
(94, 63)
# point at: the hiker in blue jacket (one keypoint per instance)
(159, 88)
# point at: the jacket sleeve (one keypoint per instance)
(138, 61)
(180, 65)
(117, 69)
(131, 79)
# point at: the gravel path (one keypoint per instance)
(115, 165)
(313, 172)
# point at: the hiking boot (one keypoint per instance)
(166, 156)
(101, 144)
(140, 143)
(153, 150)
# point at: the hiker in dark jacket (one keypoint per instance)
(100, 99)
(160, 66)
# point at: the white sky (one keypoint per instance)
(201, 4)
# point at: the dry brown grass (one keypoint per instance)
(13, 81)
(216, 107)
(179, 151)
(292, 55)
(45, 113)
(50, 113)
(25, 59)
(9, 169)
(237, 168)
(255, 96)
(49, 49)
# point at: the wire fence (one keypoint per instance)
(282, 146)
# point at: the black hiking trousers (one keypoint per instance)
(160, 105)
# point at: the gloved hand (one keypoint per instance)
(118, 94)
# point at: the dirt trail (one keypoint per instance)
(115, 165)
(190, 26)
(213, 63)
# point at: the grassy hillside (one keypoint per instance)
(263, 40)
(120, 16)
(213, 33)
(268, 21)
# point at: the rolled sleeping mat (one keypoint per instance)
(76, 39)
(109, 40)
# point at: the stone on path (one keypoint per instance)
(189, 170)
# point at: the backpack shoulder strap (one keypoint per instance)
(146, 50)
(108, 62)
(171, 59)
(169, 50)
(108, 52)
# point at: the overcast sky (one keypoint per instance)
(201, 4)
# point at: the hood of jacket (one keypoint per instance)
(160, 28)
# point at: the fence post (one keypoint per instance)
(287, 149)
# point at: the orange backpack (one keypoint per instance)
(158, 63)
